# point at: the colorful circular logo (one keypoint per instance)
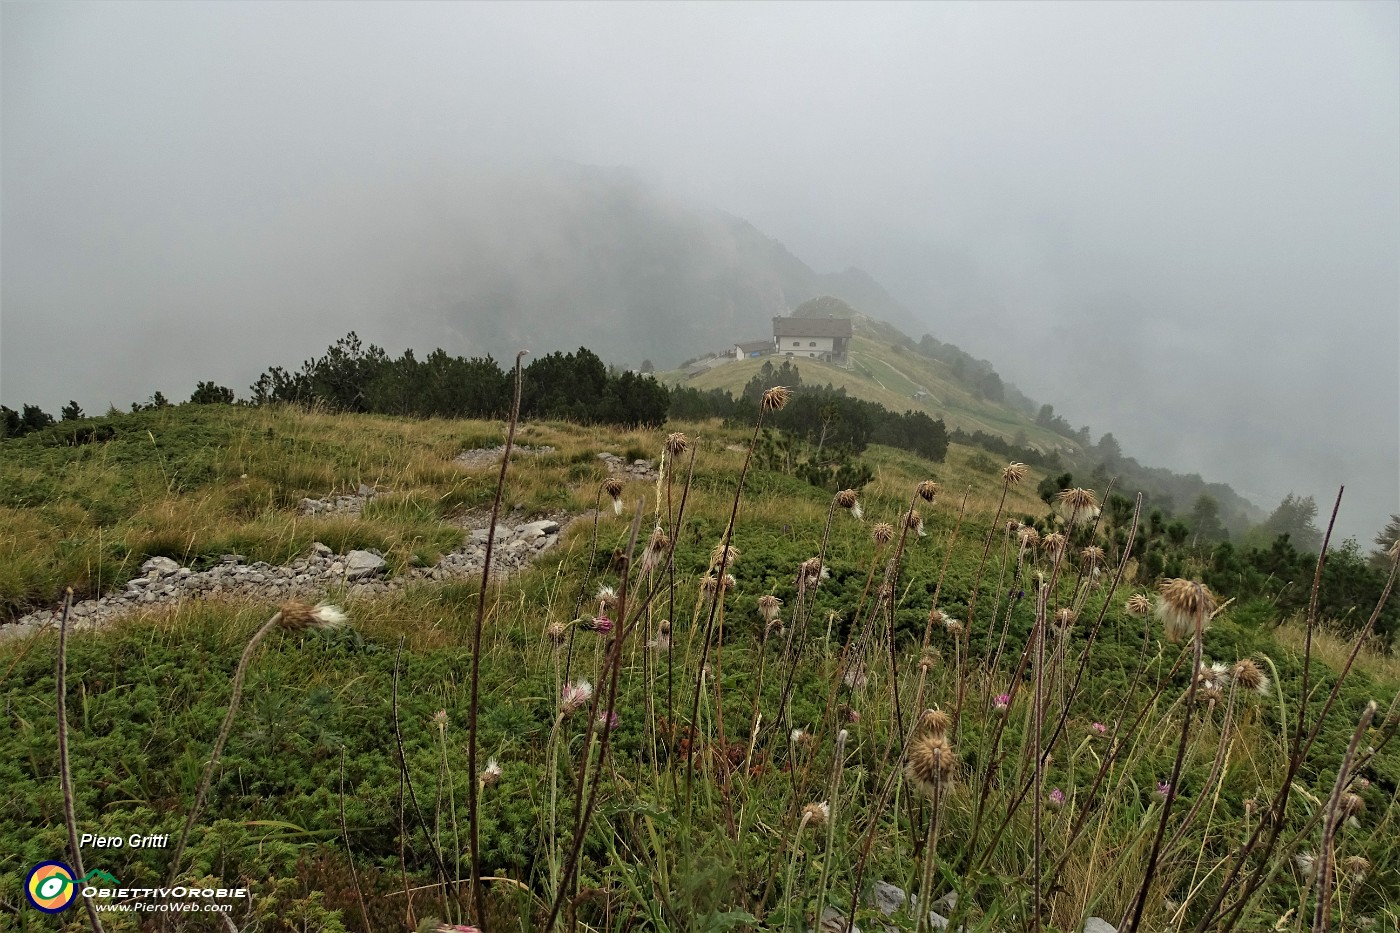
(50, 887)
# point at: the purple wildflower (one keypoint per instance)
(1057, 798)
(1003, 701)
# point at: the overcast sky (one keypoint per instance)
(1178, 222)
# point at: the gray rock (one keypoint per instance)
(543, 527)
(320, 550)
(359, 564)
(833, 921)
(366, 491)
(887, 897)
(1099, 925)
(163, 566)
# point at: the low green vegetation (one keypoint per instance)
(737, 763)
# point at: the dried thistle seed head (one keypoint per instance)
(1078, 506)
(1306, 863)
(769, 606)
(914, 522)
(847, 499)
(677, 443)
(1139, 604)
(1351, 805)
(1053, 544)
(1210, 695)
(882, 534)
(665, 627)
(855, 677)
(936, 616)
(952, 626)
(935, 722)
(812, 572)
(1064, 618)
(1356, 867)
(440, 719)
(1248, 676)
(1012, 527)
(1028, 536)
(491, 773)
(1092, 555)
(1180, 604)
(722, 554)
(775, 398)
(659, 541)
(607, 598)
(298, 616)
(556, 632)
(815, 815)
(931, 763)
(927, 661)
(1013, 473)
(927, 490)
(613, 487)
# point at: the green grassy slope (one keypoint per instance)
(889, 375)
(697, 824)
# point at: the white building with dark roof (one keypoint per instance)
(821, 338)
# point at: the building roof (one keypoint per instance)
(754, 346)
(811, 327)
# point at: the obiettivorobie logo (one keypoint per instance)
(52, 888)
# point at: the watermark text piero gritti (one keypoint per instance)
(134, 841)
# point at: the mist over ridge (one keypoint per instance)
(1177, 224)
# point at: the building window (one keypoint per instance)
(797, 343)
(812, 344)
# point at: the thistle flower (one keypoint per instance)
(776, 398)
(1163, 789)
(882, 534)
(1078, 506)
(812, 573)
(1180, 604)
(299, 617)
(931, 762)
(613, 487)
(1139, 604)
(1092, 556)
(800, 737)
(935, 722)
(677, 443)
(1028, 537)
(952, 626)
(440, 719)
(574, 696)
(726, 554)
(454, 928)
(662, 641)
(607, 720)
(769, 607)
(491, 773)
(927, 490)
(607, 599)
(1054, 544)
(914, 522)
(1098, 728)
(937, 616)
(1056, 798)
(1248, 676)
(1013, 473)
(602, 625)
(1214, 675)
(655, 551)
(1002, 702)
(1064, 618)
(816, 814)
(846, 498)
(1356, 867)
(556, 632)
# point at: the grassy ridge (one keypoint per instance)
(662, 852)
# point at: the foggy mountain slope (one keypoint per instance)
(580, 256)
